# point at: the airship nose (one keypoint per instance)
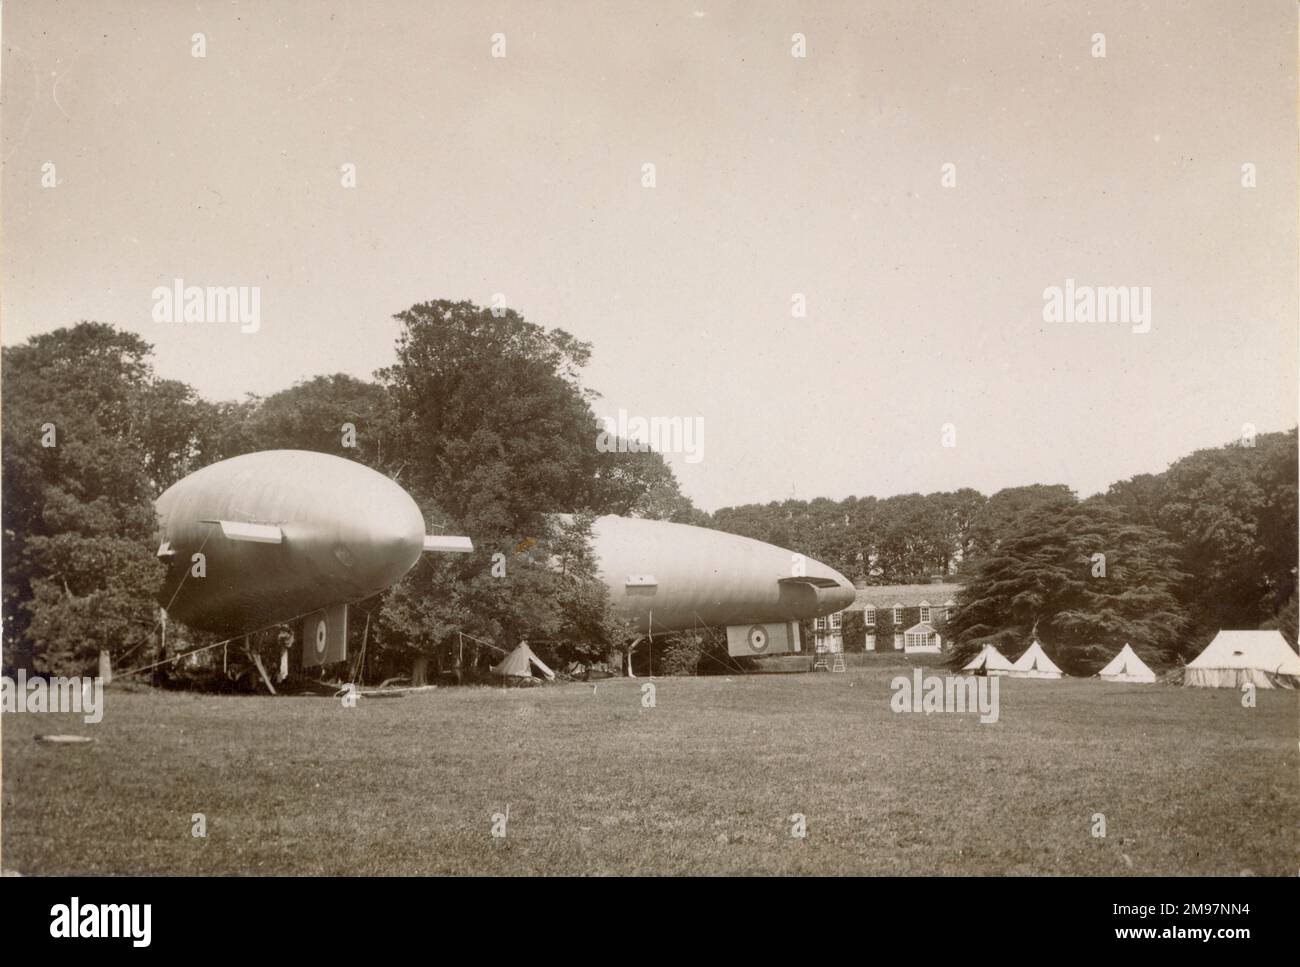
(842, 595)
(838, 597)
(387, 538)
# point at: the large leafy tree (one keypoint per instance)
(90, 435)
(1081, 577)
(492, 421)
(639, 483)
(337, 414)
(1232, 513)
(1003, 512)
(495, 434)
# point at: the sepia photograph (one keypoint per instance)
(644, 438)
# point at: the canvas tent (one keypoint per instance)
(522, 663)
(1127, 667)
(989, 661)
(1034, 663)
(1235, 658)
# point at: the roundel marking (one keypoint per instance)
(321, 635)
(758, 638)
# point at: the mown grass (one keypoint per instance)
(1189, 781)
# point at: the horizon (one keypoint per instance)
(820, 496)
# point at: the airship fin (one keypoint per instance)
(448, 544)
(238, 530)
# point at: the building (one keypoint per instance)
(903, 617)
(828, 633)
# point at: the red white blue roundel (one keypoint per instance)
(321, 635)
(757, 638)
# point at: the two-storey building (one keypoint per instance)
(903, 617)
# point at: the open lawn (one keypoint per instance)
(706, 782)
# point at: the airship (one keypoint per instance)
(663, 576)
(281, 535)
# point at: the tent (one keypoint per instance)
(1127, 667)
(1235, 658)
(522, 663)
(1034, 663)
(989, 661)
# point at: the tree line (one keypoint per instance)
(484, 419)
(1161, 561)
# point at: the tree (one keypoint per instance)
(495, 431)
(1285, 620)
(89, 434)
(904, 538)
(1083, 579)
(337, 414)
(639, 483)
(491, 419)
(1232, 513)
(1002, 513)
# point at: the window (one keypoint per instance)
(947, 608)
(921, 639)
(837, 621)
(871, 642)
(819, 624)
(898, 642)
(898, 614)
(925, 615)
(870, 617)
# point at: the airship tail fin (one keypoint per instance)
(447, 544)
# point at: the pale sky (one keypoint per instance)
(775, 175)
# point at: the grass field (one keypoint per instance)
(706, 782)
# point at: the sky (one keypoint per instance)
(775, 176)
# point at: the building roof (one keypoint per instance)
(882, 597)
(922, 628)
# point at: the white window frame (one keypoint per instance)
(837, 621)
(925, 614)
(898, 614)
(869, 616)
